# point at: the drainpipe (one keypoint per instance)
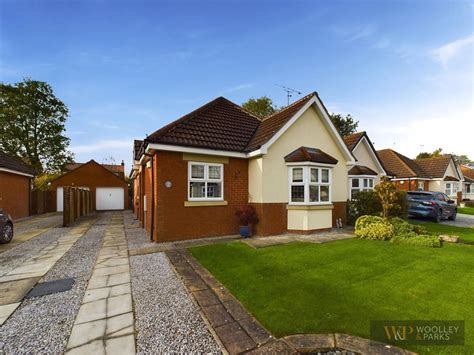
(152, 223)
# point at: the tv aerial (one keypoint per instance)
(289, 92)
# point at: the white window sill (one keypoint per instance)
(321, 206)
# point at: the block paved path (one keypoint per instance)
(105, 322)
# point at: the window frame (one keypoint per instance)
(361, 186)
(451, 188)
(205, 180)
(307, 183)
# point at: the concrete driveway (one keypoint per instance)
(462, 220)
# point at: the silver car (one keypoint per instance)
(6, 227)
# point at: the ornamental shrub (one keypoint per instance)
(423, 240)
(373, 227)
(368, 203)
(365, 221)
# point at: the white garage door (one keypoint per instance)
(109, 198)
(59, 199)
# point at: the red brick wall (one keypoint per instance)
(339, 211)
(174, 221)
(411, 185)
(273, 218)
(15, 194)
(91, 175)
(147, 191)
(136, 196)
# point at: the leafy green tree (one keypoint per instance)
(387, 193)
(462, 159)
(261, 107)
(345, 125)
(427, 155)
(32, 125)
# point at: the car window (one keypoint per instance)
(446, 197)
(441, 197)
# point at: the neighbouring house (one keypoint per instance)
(108, 188)
(468, 184)
(368, 169)
(15, 186)
(434, 174)
(193, 174)
(116, 169)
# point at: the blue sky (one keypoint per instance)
(404, 69)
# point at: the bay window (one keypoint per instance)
(205, 182)
(309, 185)
(361, 184)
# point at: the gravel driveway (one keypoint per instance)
(166, 319)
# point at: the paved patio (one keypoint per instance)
(318, 238)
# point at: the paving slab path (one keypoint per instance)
(105, 322)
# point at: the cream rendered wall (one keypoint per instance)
(364, 157)
(256, 180)
(310, 131)
(309, 219)
(439, 186)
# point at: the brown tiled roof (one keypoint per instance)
(434, 167)
(450, 178)
(351, 140)
(468, 173)
(111, 167)
(361, 170)
(15, 164)
(399, 165)
(403, 167)
(137, 144)
(273, 123)
(220, 124)
(314, 155)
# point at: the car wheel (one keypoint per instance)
(453, 216)
(6, 233)
(439, 216)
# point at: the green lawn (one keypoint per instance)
(341, 286)
(465, 234)
(466, 210)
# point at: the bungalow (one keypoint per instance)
(368, 170)
(468, 184)
(434, 174)
(108, 188)
(192, 175)
(15, 186)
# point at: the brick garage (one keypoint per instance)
(92, 175)
(15, 186)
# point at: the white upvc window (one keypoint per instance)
(361, 184)
(450, 188)
(310, 185)
(205, 181)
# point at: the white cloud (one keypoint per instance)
(353, 33)
(449, 51)
(240, 87)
